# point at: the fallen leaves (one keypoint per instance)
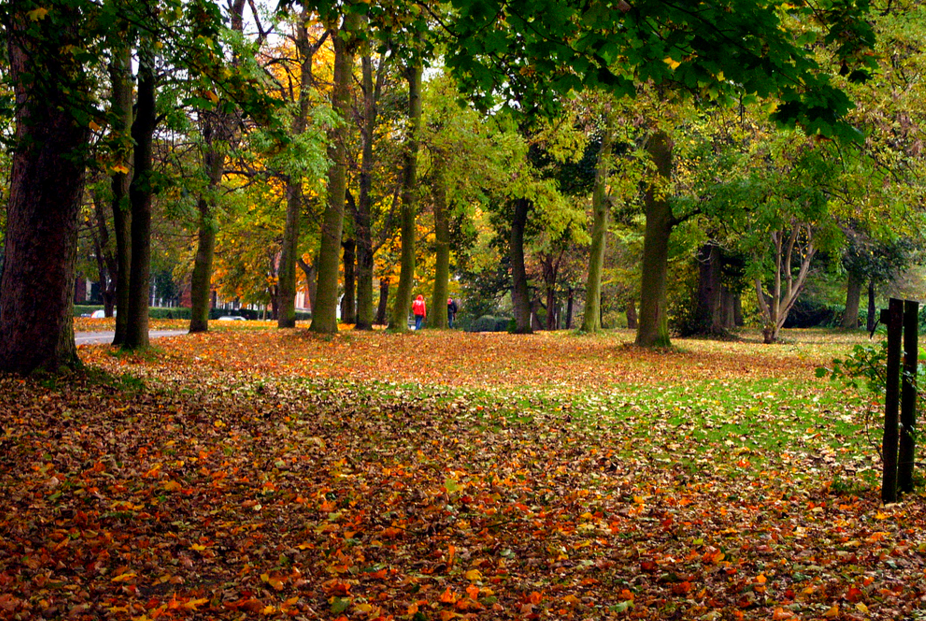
(563, 493)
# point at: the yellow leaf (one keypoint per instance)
(672, 63)
(571, 599)
(197, 547)
(861, 608)
(193, 604)
(473, 574)
(832, 612)
(172, 486)
(268, 610)
(95, 126)
(212, 96)
(124, 170)
(124, 577)
(37, 14)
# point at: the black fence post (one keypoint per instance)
(889, 444)
(907, 455)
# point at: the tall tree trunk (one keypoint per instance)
(601, 209)
(325, 312)
(120, 72)
(46, 187)
(653, 330)
(708, 318)
(872, 311)
(403, 298)
(309, 272)
(853, 297)
(520, 295)
(105, 258)
(286, 274)
(286, 289)
(570, 301)
(383, 306)
(201, 285)
(218, 129)
(363, 219)
(348, 314)
(438, 317)
(140, 191)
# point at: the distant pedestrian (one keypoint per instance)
(419, 310)
(451, 312)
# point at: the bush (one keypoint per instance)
(488, 323)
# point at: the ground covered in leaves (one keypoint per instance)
(275, 474)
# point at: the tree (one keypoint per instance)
(398, 321)
(50, 81)
(324, 314)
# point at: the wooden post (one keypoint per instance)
(890, 440)
(907, 454)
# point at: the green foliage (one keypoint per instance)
(489, 323)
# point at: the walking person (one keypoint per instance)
(419, 310)
(451, 312)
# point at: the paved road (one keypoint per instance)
(86, 338)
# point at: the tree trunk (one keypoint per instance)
(347, 301)
(363, 218)
(708, 315)
(728, 305)
(140, 191)
(289, 253)
(653, 330)
(631, 315)
(403, 298)
(309, 271)
(520, 295)
(120, 72)
(325, 313)
(105, 258)
(438, 317)
(570, 301)
(383, 307)
(46, 186)
(201, 281)
(601, 208)
(872, 311)
(853, 297)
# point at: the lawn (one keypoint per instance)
(251, 473)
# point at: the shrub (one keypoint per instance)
(488, 323)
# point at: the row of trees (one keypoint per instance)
(286, 138)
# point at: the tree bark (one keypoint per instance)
(438, 317)
(653, 330)
(520, 295)
(708, 310)
(601, 209)
(853, 298)
(363, 218)
(289, 254)
(46, 186)
(383, 307)
(631, 312)
(324, 314)
(403, 298)
(136, 336)
(348, 313)
(872, 311)
(120, 72)
(309, 272)
(201, 281)
(570, 301)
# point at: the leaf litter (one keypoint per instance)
(448, 476)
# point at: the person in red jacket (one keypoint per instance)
(419, 310)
